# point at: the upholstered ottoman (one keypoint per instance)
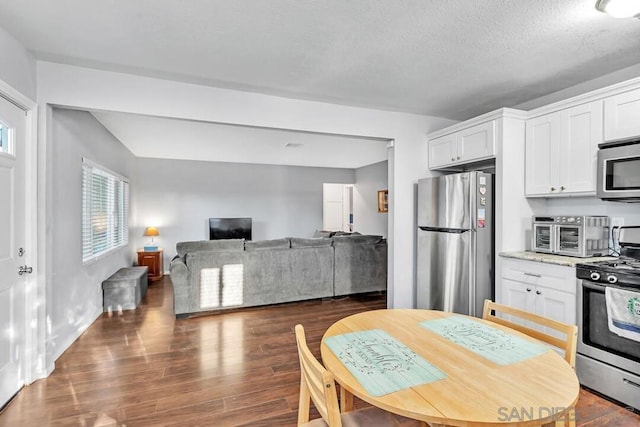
(125, 289)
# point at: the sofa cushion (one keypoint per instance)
(298, 242)
(268, 244)
(346, 233)
(356, 239)
(182, 248)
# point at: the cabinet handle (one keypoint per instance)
(538, 292)
(626, 381)
(531, 274)
(562, 188)
(553, 188)
(458, 157)
(453, 159)
(528, 289)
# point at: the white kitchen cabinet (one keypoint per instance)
(561, 151)
(545, 289)
(622, 116)
(442, 151)
(465, 146)
(542, 148)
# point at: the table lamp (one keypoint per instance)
(152, 232)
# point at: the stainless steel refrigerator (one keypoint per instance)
(455, 265)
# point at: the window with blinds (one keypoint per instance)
(105, 211)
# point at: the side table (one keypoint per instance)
(154, 261)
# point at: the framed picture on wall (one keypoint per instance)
(383, 201)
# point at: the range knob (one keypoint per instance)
(595, 275)
(612, 278)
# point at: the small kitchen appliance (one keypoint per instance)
(609, 362)
(577, 236)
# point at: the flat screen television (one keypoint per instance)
(229, 228)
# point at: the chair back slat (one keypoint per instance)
(570, 332)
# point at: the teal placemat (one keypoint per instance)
(380, 363)
(491, 343)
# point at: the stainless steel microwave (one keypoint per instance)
(619, 171)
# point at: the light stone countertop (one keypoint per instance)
(552, 259)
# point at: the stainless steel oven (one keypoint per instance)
(607, 362)
(619, 171)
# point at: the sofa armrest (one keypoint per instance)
(179, 273)
(360, 267)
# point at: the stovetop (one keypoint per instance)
(624, 270)
(621, 263)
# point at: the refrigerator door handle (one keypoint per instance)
(445, 230)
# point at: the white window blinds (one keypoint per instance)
(105, 211)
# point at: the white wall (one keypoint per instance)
(103, 90)
(622, 213)
(18, 66)
(178, 196)
(74, 291)
(369, 180)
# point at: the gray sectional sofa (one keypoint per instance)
(212, 275)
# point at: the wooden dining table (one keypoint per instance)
(472, 390)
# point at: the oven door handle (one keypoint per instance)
(600, 287)
(592, 286)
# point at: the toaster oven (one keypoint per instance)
(578, 236)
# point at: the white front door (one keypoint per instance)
(12, 247)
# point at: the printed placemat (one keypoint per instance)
(380, 363)
(491, 343)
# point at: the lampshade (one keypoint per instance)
(151, 231)
(620, 8)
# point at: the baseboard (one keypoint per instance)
(71, 338)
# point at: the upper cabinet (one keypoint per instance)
(561, 150)
(465, 146)
(622, 116)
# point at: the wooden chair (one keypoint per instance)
(318, 385)
(570, 332)
(568, 344)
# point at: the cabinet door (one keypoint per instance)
(554, 304)
(477, 142)
(442, 151)
(517, 295)
(622, 116)
(580, 134)
(542, 142)
(151, 261)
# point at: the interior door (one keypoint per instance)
(332, 207)
(12, 239)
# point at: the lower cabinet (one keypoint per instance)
(545, 289)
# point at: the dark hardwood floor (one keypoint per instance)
(145, 368)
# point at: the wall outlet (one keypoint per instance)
(614, 233)
(616, 222)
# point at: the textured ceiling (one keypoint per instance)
(453, 59)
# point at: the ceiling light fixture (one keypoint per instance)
(620, 8)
